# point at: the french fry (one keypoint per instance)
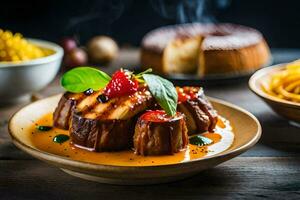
(286, 83)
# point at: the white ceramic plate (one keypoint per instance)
(246, 128)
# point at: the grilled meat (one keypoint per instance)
(200, 115)
(99, 124)
(197, 120)
(107, 126)
(64, 110)
(208, 109)
(158, 134)
(101, 135)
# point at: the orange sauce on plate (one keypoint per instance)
(222, 139)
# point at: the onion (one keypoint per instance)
(102, 49)
(68, 44)
(75, 57)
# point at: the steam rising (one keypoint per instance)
(97, 14)
(185, 11)
(108, 10)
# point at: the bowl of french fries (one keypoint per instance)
(279, 87)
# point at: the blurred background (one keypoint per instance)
(129, 20)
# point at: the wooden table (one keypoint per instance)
(269, 170)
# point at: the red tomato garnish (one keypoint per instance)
(157, 116)
(186, 93)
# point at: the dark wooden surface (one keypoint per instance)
(269, 170)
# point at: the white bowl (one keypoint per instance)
(19, 80)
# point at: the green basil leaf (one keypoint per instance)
(82, 78)
(200, 140)
(163, 91)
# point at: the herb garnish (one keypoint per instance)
(163, 91)
(139, 76)
(200, 140)
(44, 128)
(81, 79)
(61, 138)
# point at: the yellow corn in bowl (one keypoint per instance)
(26, 66)
(15, 48)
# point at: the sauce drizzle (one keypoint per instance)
(222, 139)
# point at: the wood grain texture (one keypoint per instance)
(239, 178)
(270, 170)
